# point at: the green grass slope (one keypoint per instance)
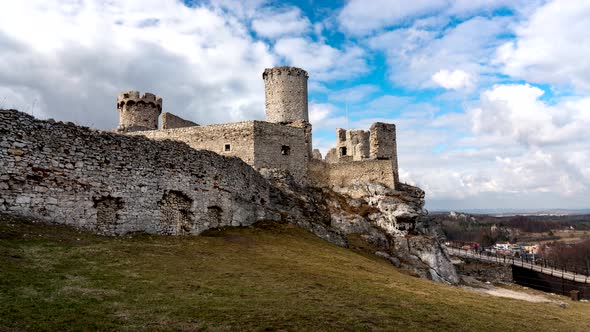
(267, 278)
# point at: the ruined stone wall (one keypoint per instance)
(115, 184)
(306, 126)
(233, 139)
(263, 145)
(171, 121)
(138, 112)
(332, 156)
(352, 144)
(342, 174)
(285, 94)
(280, 147)
(384, 144)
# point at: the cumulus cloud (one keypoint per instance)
(454, 80)
(87, 52)
(321, 60)
(516, 111)
(360, 17)
(551, 46)
(355, 94)
(275, 24)
(414, 55)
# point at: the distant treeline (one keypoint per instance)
(488, 230)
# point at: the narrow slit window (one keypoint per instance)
(285, 150)
(227, 147)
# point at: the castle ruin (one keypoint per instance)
(181, 178)
(282, 143)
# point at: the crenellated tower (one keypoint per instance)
(137, 112)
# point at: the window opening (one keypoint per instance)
(285, 150)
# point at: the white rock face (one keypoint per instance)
(397, 221)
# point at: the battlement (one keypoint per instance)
(138, 112)
(125, 98)
(284, 70)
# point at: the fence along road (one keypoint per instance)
(568, 275)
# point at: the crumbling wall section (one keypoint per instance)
(171, 121)
(342, 174)
(233, 139)
(384, 144)
(352, 144)
(279, 147)
(115, 184)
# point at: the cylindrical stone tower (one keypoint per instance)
(138, 112)
(286, 94)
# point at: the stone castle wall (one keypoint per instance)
(352, 144)
(285, 94)
(233, 139)
(171, 121)
(262, 145)
(343, 174)
(281, 147)
(384, 144)
(137, 112)
(115, 184)
(355, 145)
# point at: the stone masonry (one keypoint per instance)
(171, 121)
(262, 145)
(115, 184)
(138, 112)
(282, 143)
(286, 94)
(354, 156)
(352, 144)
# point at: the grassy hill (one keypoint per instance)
(266, 278)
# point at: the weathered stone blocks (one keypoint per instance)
(115, 184)
(138, 112)
(285, 94)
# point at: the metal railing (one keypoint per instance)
(541, 266)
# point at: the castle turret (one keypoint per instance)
(286, 99)
(138, 112)
(286, 94)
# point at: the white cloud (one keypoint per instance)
(414, 55)
(77, 56)
(516, 111)
(361, 17)
(322, 61)
(272, 24)
(454, 80)
(355, 94)
(324, 116)
(552, 46)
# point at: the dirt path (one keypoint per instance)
(503, 292)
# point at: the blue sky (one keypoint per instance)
(490, 98)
